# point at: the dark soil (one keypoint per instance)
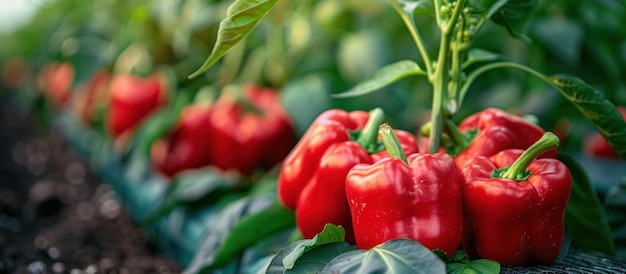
(55, 217)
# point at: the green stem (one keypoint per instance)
(458, 138)
(369, 134)
(440, 79)
(409, 21)
(472, 76)
(392, 145)
(517, 171)
(455, 17)
(439, 82)
(456, 70)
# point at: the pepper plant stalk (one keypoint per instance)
(441, 75)
(517, 171)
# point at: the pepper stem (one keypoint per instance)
(369, 134)
(517, 171)
(458, 138)
(392, 145)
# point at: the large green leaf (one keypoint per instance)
(218, 230)
(514, 15)
(286, 258)
(241, 18)
(473, 267)
(193, 185)
(585, 217)
(315, 260)
(251, 229)
(592, 104)
(459, 263)
(385, 76)
(395, 256)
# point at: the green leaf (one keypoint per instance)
(416, 6)
(514, 15)
(395, 256)
(492, 6)
(615, 206)
(251, 228)
(476, 55)
(473, 267)
(599, 111)
(287, 257)
(221, 227)
(193, 185)
(316, 259)
(584, 216)
(330, 234)
(385, 76)
(241, 18)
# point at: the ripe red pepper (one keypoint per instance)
(515, 215)
(132, 99)
(497, 130)
(186, 147)
(55, 80)
(595, 145)
(92, 96)
(312, 178)
(250, 129)
(332, 126)
(417, 198)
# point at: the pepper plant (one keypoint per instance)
(455, 65)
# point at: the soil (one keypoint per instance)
(55, 217)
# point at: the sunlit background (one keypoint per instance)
(15, 13)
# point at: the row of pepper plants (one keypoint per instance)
(256, 160)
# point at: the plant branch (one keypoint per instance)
(474, 74)
(409, 21)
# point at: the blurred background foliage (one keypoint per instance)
(314, 48)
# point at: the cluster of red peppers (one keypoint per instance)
(243, 130)
(501, 197)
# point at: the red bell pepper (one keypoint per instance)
(495, 130)
(132, 99)
(92, 96)
(250, 129)
(185, 148)
(515, 205)
(595, 145)
(312, 177)
(332, 126)
(417, 198)
(55, 80)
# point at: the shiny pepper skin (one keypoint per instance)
(312, 178)
(303, 161)
(515, 223)
(249, 131)
(497, 131)
(132, 100)
(420, 201)
(186, 146)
